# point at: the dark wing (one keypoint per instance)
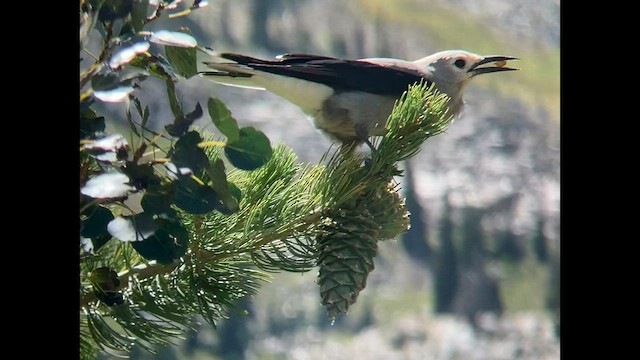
(342, 75)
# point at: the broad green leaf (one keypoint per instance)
(174, 103)
(194, 198)
(141, 175)
(221, 117)
(105, 284)
(157, 65)
(157, 199)
(167, 244)
(132, 228)
(96, 222)
(104, 279)
(108, 186)
(114, 9)
(183, 60)
(139, 14)
(173, 38)
(94, 244)
(250, 151)
(219, 183)
(181, 125)
(91, 125)
(186, 152)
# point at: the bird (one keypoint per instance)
(351, 99)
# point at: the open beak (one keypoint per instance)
(497, 62)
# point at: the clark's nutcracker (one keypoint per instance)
(350, 100)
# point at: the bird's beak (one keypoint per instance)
(498, 64)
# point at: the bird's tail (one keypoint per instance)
(228, 70)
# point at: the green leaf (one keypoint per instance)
(166, 245)
(186, 152)
(181, 125)
(219, 183)
(194, 198)
(157, 65)
(95, 243)
(115, 9)
(183, 60)
(139, 14)
(221, 117)
(235, 191)
(174, 103)
(96, 222)
(157, 199)
(104, 279)
(91, 125)
(108, 186)
(173, 38)
(105, 284)
(132, 228)
(141, 175)
(250, 151)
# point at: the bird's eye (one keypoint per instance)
(459, 63)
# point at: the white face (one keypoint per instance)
(452, 66)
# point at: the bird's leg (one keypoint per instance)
(362, 134)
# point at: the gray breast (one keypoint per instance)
(347, 112)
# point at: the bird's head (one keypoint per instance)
(451, 70)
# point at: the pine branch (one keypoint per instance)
(290, 218)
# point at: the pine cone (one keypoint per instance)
(389, 211)
(347, 247)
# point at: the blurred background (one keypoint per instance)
(477, 275)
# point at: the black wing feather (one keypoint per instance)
(342, 75)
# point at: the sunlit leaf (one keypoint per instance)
(108, 186)
(221, 117)
(110, 148)
(125, 55)
(183, 60)
(250, 151)
(173, 38)
(174, 172)
(132, 228)
(119, 94)
(197, 4)
(110, 87)
(94, 244)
